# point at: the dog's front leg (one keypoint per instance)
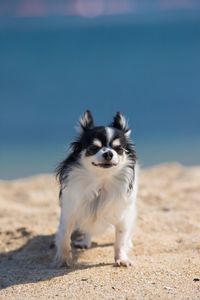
(122, 245)
(63, 236)
(123, 238)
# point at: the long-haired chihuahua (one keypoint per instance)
(98, 187)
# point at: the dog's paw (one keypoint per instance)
(80, 244)
(66, 261)
(63, 263)
(80, 240)
(123, 262)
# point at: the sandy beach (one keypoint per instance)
(166, 252)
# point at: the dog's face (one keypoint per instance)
(103, 148)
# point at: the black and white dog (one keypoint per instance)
(98, 186)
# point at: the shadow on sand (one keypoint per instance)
(33, 262)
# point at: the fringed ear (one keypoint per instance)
(121, 123)
(86, 121)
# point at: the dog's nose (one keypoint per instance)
(108, 155)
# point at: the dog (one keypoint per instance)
(98, 188)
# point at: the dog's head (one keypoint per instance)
(101, 148)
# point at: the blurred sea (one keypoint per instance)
(52, 69)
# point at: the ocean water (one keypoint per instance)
(52, 69)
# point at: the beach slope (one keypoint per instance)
(166, 252)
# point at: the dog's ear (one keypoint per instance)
(86, 121)
(121, 123)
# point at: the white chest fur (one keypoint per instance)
(97, 200)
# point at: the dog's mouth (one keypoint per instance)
(104, 165)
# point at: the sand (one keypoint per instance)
(166, 252)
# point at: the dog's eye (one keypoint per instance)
(118, 149)
(92, 150)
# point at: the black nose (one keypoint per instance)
(108, 155)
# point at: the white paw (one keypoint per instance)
(123, 262)
(62, 261)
